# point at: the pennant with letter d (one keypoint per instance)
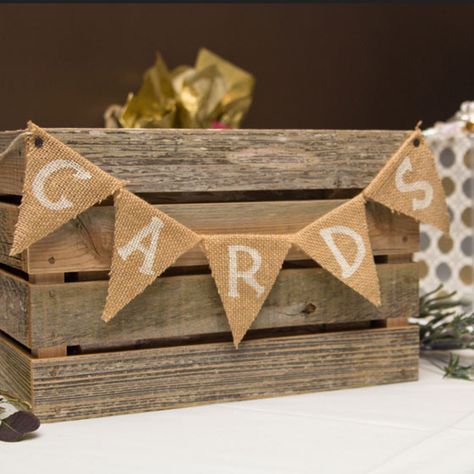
(146, 242)
(59, 184)
(409, 184)
(339, 242)
(244, 268)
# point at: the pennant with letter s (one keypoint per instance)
(409, 184)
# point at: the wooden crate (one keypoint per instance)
(171, 346)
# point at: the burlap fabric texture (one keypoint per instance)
(146, 242)
(244, 268)
(339, 242)
(59, 184)
(409, 184)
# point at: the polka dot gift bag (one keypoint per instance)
(449, 260)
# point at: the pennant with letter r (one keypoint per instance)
(244, 268)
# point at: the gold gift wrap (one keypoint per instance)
(212, 94)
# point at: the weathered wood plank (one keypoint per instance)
(154, 379)
(8, 218)
(182, 306)
(14, 304)
(402, 320)
(48, 352)
(85, 244)
(224, 160)
(15, 370)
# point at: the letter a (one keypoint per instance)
(153, 230)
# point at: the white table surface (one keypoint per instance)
(417, 427)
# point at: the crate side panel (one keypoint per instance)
(124, 382)
(182, 306)
(176, 160)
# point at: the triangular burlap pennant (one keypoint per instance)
(244, 268)
(146, 243)
(59, 184)
(339, 242)
(409, 184)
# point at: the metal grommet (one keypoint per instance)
(38, 142)
(416, 142)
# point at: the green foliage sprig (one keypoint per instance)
(446, 326)
(455, 370)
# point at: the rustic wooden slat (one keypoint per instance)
(8, 219)
(12, 162)
(183, 306)
(14, 308)
(154, 379)
(48, 352)
(222, 160)
(15, 370)
(85, 244)
(402, 320)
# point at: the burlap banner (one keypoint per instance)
(244, 268)
(339, 242)
(409, 184)
(59, 184)
(146, 243)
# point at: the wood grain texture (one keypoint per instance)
(154, 379)
(15, 370)
(402, 320)
(222, 160)
(8, 219)
(14, 308)
(48, 352)
(46, 278)
(182, 306)
(47, 315)
(85, 244)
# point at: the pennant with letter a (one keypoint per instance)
(146, 242)
(244, 268)
(59, 184)
(339, 242)
(409, 184)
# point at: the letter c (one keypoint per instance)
(45, 172)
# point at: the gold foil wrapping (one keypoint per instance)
(212, 94)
